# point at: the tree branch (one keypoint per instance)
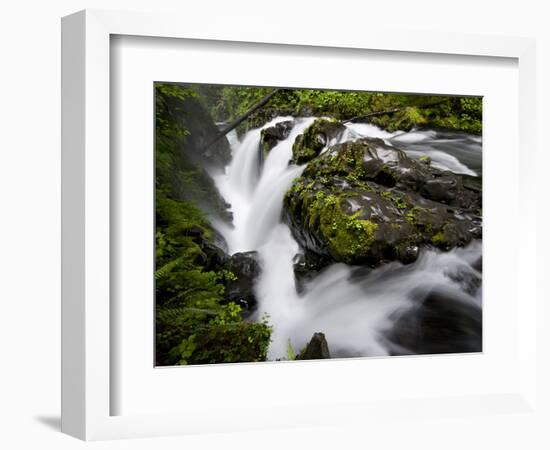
(242, 118)
(393, 110)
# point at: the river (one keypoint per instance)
(358, 309)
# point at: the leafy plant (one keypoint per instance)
(291, 356)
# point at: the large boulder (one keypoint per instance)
(365, 202)
(316, 137)
(243, 270)
(271, 136)
(438, 322)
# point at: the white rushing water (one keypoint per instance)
(353, 309)
(448, 151)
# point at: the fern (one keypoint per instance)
(163, 271)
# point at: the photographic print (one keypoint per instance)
(303, 224)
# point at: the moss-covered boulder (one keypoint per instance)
(365, 202)
(271, 136)
(316, 137)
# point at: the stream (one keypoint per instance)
(361, 311)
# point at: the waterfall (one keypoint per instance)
(353, 307)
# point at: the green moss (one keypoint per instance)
(413, 216)
(348, 238)
(438, 238)
(425, 160)
(310, 143)
(400, 203)
(397, 200)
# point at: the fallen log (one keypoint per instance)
(392, 111)
(375, 113)
(242, 118)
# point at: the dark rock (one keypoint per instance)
(441, 189)
(214, 251)
(271, 136)
(318, 135)
(307, 266)
(240, 289)
(469, 280)
(478, 264)
(365, 202)
(440, 322)
(261, 117)
(317, 348)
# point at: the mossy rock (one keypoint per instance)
(244, 269)
(364, 203)
(316, 137)
(271, 136)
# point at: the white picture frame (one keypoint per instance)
(86, 285)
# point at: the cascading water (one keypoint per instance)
(354, 307)
(457, 152)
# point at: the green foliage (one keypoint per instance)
(177, 174)
(224, 338)
(194, 322)
(195, 325)
(457, 113)
(290, 355)
(169, 100)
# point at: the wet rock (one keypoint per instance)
(478, 264)
(441, 189)
(307, 266)
(261, 117)
(365, 202)
(469, 280)
(239, 288)
(440, 322)
(271, 136)
(317, 348)
(318, 135)
(214, 251)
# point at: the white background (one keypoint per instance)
(29, 143)
(141, 389)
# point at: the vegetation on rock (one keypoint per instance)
(310, 143)
(271, 136)
(367, 203)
